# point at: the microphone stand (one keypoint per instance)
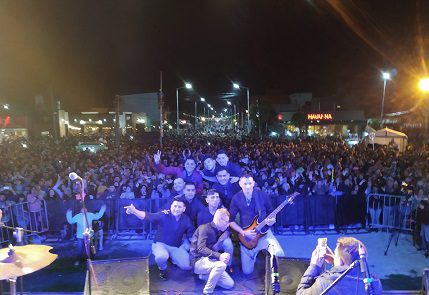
(353, 265)
(87, 241)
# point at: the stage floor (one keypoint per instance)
(401, 269)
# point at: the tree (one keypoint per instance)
(299, 120)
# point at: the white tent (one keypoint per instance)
(388, 136)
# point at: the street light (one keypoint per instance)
(424, 84)
(237, 86)
(6, 106)
(386, 76)
(187, 86)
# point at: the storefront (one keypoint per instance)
(347, 124)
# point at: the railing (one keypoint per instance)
(25, 216)
(309, 212)
(391, 212)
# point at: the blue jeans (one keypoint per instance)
(179, 256)
(248, 257)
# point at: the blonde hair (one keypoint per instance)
(348, 249)
(223, 211)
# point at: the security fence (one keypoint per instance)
(25, 216)
(392, 212)
(307, 213)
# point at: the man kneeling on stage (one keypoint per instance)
(168, 238)
(208, 263)
(314, 282)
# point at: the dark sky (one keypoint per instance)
(87, 51)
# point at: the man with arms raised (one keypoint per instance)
(209, 263)
(249, 203)
(168, 238)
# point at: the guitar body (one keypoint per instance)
(251, 244)
(261, 228)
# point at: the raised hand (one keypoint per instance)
(157, 157)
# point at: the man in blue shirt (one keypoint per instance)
(168, 238)
(223, 161)
(84, 227)
(225, 187)
(249, 203)
(192, 203)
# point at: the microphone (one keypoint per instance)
(74, 176)
(365, 270)
(275, 284)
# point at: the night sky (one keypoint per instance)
(88, 51)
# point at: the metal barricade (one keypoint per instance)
(391, 212)
(26, 217)
(395, 214)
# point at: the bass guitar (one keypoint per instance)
(261, 228)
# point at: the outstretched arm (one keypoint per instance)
(132, 210)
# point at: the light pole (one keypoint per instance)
(237, 86)
(204, 107)
(424, 87)
(187, 86)
(386, 76)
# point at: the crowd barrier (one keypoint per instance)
(308, 212)
(26, 217)
(391, 212)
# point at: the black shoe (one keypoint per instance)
(163, 275)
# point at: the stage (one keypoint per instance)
(401, 269)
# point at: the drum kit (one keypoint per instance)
(17, 261)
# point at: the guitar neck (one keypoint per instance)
(274, 213)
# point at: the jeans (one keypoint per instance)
(179, 256)
(248, 257)
(227, 247)
(214, 272)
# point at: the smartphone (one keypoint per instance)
(322, 243)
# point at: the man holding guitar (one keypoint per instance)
(251, 203)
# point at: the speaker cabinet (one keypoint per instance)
(119, 276)
(290, 272)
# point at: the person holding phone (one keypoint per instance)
(314, 281)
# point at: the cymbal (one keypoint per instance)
(21, 260)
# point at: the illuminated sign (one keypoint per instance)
(326, 116)
(4, 122)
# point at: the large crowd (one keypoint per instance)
(38, 170)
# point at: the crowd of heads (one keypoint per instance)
(279, 167)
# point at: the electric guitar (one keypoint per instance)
(261, 228)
